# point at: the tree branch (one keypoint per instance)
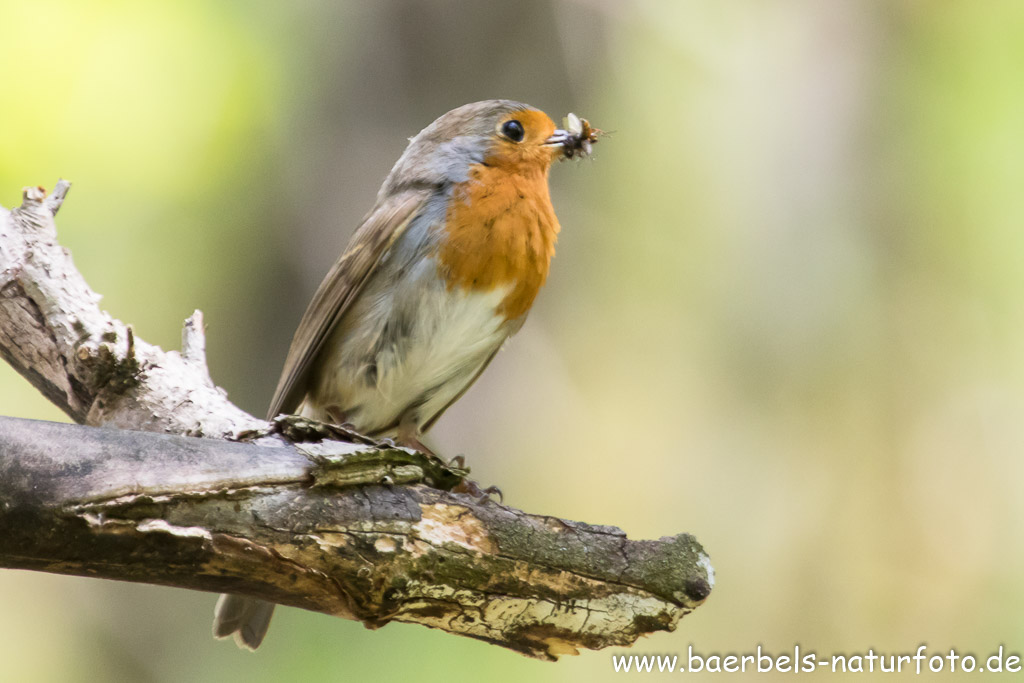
(87, 363)
(346, 527)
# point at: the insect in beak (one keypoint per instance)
(576, 139)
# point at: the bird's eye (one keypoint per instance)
(513, 130)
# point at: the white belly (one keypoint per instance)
(405, 350)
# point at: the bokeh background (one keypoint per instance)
(785, 313)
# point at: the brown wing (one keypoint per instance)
(372, 239)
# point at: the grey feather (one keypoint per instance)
(247, 619)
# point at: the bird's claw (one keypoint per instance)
(480, 496)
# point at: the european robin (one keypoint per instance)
(440, 273)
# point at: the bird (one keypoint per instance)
(439, 274)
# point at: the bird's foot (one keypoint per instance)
(480, 496)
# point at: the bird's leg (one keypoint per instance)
(409, 435)
(336, 414)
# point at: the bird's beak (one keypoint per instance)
(575, 140)
(559, 138)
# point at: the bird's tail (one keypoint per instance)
(247, 619)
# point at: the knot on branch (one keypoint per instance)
(37, 207)
(110, 370)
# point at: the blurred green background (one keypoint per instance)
(785, 313)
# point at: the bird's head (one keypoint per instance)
(499, 133)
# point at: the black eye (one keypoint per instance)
(513, 130)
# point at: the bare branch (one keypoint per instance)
(56, 198)
(267, 522)
(347, 527)
(53, 332)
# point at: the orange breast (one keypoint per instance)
(501, 231)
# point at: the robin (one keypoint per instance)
(440, 273)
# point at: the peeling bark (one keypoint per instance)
(346, 527)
